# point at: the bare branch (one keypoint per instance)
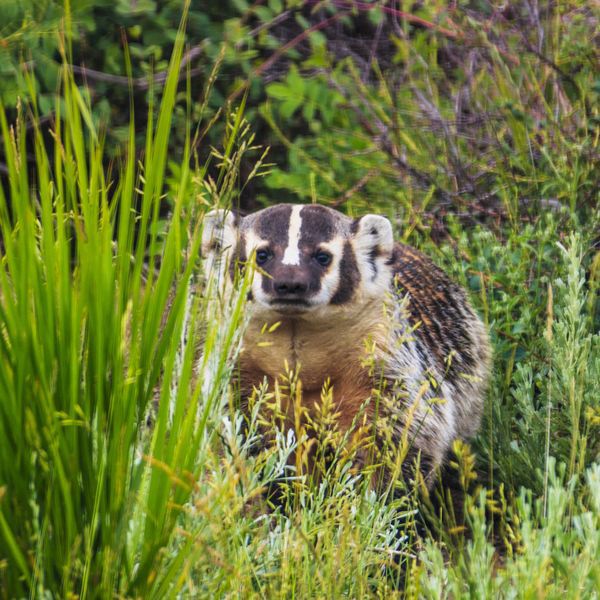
(363, 6)
(354, 189)
(144, 82)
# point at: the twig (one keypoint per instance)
(355, 188)
(373, 51)
(363, 6)
(263, 26)
(144, 82)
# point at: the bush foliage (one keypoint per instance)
(123, 469)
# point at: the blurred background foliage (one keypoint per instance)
(474, 125)
(432, 108)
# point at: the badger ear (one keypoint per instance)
(373, 246)
(219, 233)
(373, 233)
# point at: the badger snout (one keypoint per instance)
(290, 287)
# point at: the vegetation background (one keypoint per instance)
(473, 125)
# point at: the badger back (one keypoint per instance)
(448, 333)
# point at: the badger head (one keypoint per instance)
(306, 256)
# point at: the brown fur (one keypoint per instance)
(322, 349)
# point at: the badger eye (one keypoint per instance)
(262, 256)
(323, 258)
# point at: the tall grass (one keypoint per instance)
(96, 342)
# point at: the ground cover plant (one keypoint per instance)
(126, 467)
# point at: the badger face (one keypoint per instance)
(306, 256)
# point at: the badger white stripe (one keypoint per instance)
(291, 255)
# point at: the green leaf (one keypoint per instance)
(279, 91)
(295, 81)
(289, 106)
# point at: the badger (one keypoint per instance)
(327, 290)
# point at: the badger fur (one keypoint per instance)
(336, 285)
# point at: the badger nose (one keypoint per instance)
(290, 287)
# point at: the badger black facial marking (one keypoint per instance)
(318, 226)
(373, 254)
(273, 224)
(349, 276)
